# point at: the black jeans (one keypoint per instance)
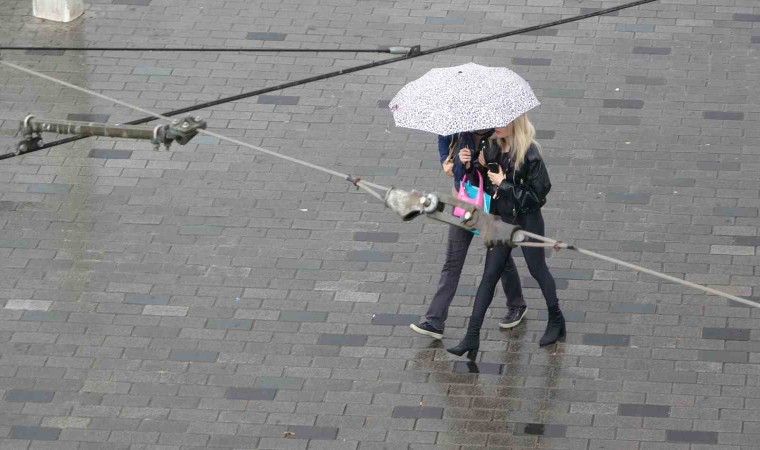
(498, 257)
(456, 252)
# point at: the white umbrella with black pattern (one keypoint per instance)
(462, 98)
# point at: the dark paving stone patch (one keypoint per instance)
(45, 316)
(723, 356)
(19, 395)
(734, 211)
(44, 52)
(755, 39)
(723, 115)
(87, 117)
(395, 319)
(236, 393)
(481, 368)
(278, 100)
(384, 104)
(634, 27)
(727, 334)
(228, 324)
(131, 2)
(747, 17)
(611, 340)
(141, 299)
(540, 429)
(345, 340)
(33, 433)
(622, 104)
(748, 241)
(545, 134)
(565, 93)
(417, 412)
(49, 188)
(619, 120)
(192, 356)
(638, 410)
(264, 36)
(110, 154)
(674, 182)
(692, 437)
(369, 256)
(517, 61)
(313, 433)
(638, 79)
(302, 316)
(633, 308)
(651, 50)
(713, 165)
(6, 205)
(373, 236)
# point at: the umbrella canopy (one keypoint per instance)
(462, 98)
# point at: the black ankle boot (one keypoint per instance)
(555, 328)
(471, 341)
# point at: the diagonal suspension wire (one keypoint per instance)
(412, 54)
(368, 187)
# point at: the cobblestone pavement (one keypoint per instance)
(211, 298)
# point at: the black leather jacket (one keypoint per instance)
(523, 191)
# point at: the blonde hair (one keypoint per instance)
(519, 141)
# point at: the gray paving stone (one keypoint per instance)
(316, 433)
(302, 316)
(8, 205)
(192, 356)
(619, 120)
(369, 256)
(444, 20)
(637, 79)
(723, 356)
(352, 340)
(268, 382)
(545, 134)
(746, 17)
(372, 236)
(518, 61)
(633, 308)
(593, 10)
(615, 340)
(634, 27)
(482, 368)
(628, 197)
(44, 52)
(228, 324)
(735, 212)
(131, 2)
(140, 299)
(278, 100)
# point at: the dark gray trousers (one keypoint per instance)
(456, 252)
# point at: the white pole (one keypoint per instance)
(57, 10)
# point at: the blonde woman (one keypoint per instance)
(518, 182)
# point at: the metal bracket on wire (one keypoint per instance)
(180, 131)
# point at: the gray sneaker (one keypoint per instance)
(513, 318)
(424, 328)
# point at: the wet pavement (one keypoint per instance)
(209, 297)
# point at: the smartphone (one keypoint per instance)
(494, 167)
